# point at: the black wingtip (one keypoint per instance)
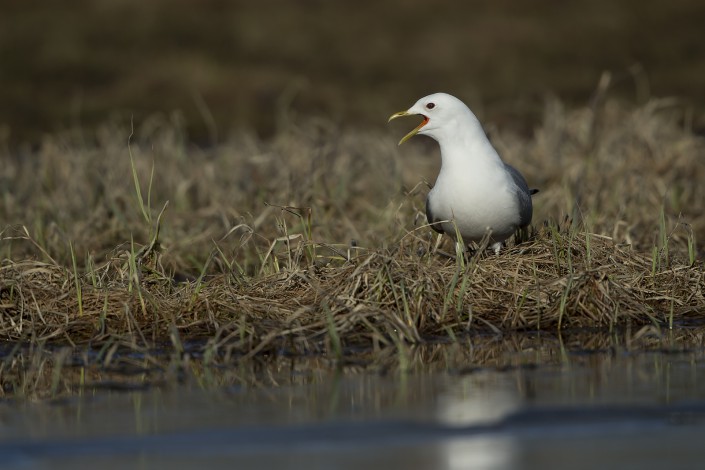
(533, 191)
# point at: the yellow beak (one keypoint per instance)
(414, 131)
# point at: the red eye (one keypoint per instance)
(430, 105)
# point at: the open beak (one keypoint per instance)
(415, 130)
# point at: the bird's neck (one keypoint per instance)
(465, 146)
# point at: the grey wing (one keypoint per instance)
(523, 195)
(429, 216)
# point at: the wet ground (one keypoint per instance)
(628, 400)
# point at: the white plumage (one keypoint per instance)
(475, 190)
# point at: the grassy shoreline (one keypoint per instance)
(58, 375)
(374, 297)
(315, 239)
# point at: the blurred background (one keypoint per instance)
(218, 66)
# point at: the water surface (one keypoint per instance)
(525, 401)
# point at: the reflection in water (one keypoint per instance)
(477, 399)
(482, 452)
(486, 402)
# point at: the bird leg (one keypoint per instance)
(437, 245)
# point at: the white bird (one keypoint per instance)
(475, 192)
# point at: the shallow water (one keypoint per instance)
(526, 402)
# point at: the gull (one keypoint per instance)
(476, 194)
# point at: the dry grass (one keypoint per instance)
(314, 240)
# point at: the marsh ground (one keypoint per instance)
(223, 173)
(318, 235)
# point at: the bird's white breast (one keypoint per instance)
(476, 196)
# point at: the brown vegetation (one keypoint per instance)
(315, 240)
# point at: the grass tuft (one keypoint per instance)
(312, 241)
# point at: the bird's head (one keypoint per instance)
(439, 111)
